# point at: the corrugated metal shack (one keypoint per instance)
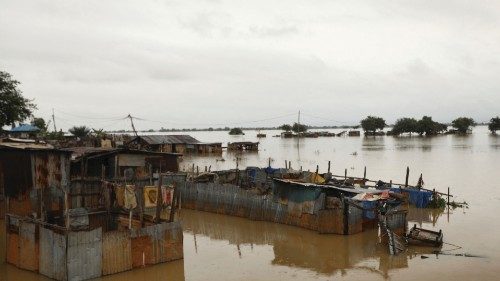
(184, 144)
(48, 233)
(276, 195)
(243, 146)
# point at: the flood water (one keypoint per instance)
(218, 247)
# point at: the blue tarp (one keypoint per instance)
(418, 198)
(25, 128)
(369, 205)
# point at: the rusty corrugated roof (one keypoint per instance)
(173, 139)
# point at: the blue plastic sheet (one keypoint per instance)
(418, 198)
(369, 205)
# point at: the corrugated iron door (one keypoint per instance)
(52, 254)
(84, 254)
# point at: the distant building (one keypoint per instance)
(184, 144)
(24, 131)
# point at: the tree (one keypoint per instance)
(372, 124)
(79, 131)
(13, 106)
(286, 127)
(299, 128)
(494, 125)
(430, 127)
(463, 124)
(405, 125)
(40, 124)
(236, 131)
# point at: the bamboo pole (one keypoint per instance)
(158, 198)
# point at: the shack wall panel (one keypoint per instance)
(12, 253)
(84, 254)
(331, 221)
(28, 247)
(52, 254)
(116, 252)
(142, 251)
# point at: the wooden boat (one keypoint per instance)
(424, 237)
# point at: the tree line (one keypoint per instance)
(372, 125)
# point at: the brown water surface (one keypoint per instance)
(218, 247)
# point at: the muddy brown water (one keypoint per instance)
(218, 247)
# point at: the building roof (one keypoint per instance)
(93, 152)
(169, 139)
(25, 128)
(26, 146)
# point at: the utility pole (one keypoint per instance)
(132, 123)
(54, 120)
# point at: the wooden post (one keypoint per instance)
(66, 209)
(193, 168)
(407, 176)
(301, 168)
(286, 167)
(289, 164)
(448, 195)
(150, 174)
(174, 201)
(364, 174)
(206, 169)
(209, 168)
(329, 166)
(269, 162)
(158, 198)
(197, 170)
(345, 174)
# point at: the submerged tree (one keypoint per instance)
(13, 106)
(236, 131)
(79, 131)
(299, 128)
(372, 124)
(463, 124)
(430, 127)
(285, 127)
(494, 125)
(405, 125)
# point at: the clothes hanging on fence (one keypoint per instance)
(167, 194)
(129, 196)
(120, 195)
(150, 196)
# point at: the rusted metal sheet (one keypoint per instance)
(116, 252)
(28, 247)
(142, 251)
(84, 254)
(16, 167)
(52, 254)
(331, 221)
(12, 251)
(354, 220)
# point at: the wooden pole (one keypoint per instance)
(364, 174)
(174, 201)
(448, 195)
(289, 164)
(209, 168)
(345, 174)
(286, 167)
(158, 198)
(197, 170)
(329, 164)
(407, 176)
(269, 162)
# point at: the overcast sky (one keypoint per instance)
(214, 63)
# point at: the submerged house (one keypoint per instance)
(184, 144)
(243, 146)
(76, 230)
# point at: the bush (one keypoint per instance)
(494, 125)
(236, 131)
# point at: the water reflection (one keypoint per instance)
(373, 143)
(298, 248)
